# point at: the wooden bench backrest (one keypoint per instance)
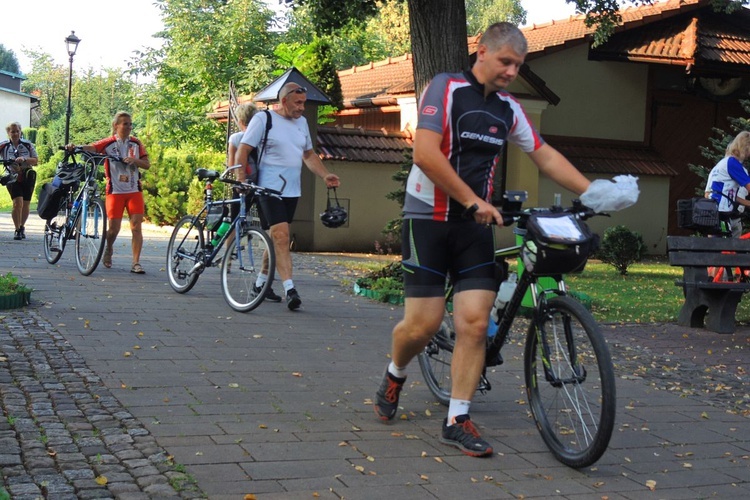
(701, 251)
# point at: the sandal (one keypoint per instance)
(107, 257)
(137, 269)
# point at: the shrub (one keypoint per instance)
(390, 277)
(621, 247)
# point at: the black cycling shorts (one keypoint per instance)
(433, 249)
(275, 211)
(25, 188)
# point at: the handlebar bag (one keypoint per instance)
(556, 243)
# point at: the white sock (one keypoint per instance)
(262, 278)
(396, 371)
(457, 407)
(288, 285)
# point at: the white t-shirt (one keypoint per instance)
(235, 139)
(288, 140)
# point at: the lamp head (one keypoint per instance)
(71, 42)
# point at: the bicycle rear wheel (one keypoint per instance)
(570, 382)
(91, 235)
(184, 251)
(54, 244)
(240, 268)
(435, 361)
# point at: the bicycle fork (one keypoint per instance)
(567, 352)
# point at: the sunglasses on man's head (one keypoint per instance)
(298, 90)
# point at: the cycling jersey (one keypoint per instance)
(474, 131)
(725, 180)
(121, 178)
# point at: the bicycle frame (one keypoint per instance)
(87, 190)
(208, 257)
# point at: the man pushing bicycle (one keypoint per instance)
(464, 122)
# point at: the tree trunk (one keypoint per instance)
(438, 38)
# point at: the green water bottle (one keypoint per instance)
(226, 223)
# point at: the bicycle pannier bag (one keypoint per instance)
(49, 201)
(556, 243)
(700, 214)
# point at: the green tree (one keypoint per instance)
(716, 150)
(208, 44)
(482, 13)
(387, 32)
(8, 60)
(49, 81)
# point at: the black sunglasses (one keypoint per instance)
(298, 90)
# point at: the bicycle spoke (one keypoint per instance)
(53, 243)
(90, 236)
(570, 382)
(243, 261)
(185, 254)
(435, 362)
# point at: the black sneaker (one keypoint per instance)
(17, 234)
(386, 399)
(22, 229)
(273, 297)
(270, 295)
(464, 436)
(293, 299)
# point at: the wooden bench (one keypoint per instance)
(702, 295)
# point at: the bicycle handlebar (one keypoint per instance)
(251, 186)
(90, 154)
(512, 212)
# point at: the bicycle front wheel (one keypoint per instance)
(435, 361)
(243, 261)
(184, 251)
(54, 239)
(570, 382)
(91, 235)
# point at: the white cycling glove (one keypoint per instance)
(610, 196)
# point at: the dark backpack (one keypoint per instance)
(257, 153)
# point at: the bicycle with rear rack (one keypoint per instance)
(702, 216)
(197, 240)
(568, 372)
(80, 214)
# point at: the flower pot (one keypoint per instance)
(15, 300)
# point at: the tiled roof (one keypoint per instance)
(554, 35)
(593, 156)
(697, 40)
(669, 42)
(388, 77)
(359, 145)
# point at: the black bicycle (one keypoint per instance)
(80, 212)
(197, 240)
(569, 377)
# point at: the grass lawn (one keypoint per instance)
(646, 295)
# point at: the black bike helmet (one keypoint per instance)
(335, 215)
(70, 173)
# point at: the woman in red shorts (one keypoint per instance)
(124, 190)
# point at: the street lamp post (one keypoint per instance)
(71, 43)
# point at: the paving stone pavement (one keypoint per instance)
(116, 376)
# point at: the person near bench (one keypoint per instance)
(728, 182)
